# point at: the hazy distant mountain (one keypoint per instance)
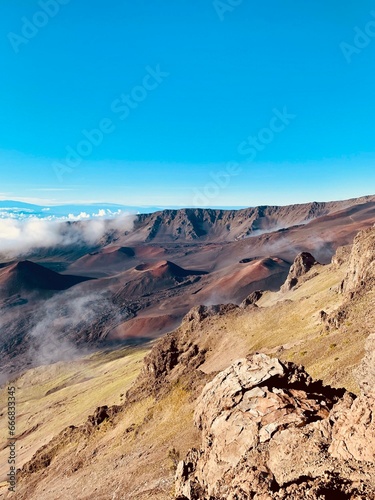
(20, 210)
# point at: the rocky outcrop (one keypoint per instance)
(170, 358)
(199, 313)
(177, 356)
(335, 319)
(361, 266)
(365, 373)
(353, 435)
(45, 455)
(341, 256)
(252, 299)
(359, 279)
(270, 432)
(301, 265)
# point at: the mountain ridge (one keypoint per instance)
(191, 224)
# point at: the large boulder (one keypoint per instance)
(301, 266)
(270, 431)
(361, 266)
(199, 313)
(252, 299)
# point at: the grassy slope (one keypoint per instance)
(78, 388)
(130, 458)
(288, 326)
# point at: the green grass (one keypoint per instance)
(79, 387)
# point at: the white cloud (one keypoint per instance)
(101, 213)
(19, 237)
(81, 216)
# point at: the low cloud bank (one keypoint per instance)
(21, 237)
(57, 215)
(56, 330)
(52, 337)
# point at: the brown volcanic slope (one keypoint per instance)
(228, 225)
(152, 277)
(321, 236)
(166, 268)
(28, 291)
(235, 283)
(145, 326)
(168, 292)
(26, 276)
(106, 261)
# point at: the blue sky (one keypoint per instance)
(189, 96)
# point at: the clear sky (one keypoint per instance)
(199, 102)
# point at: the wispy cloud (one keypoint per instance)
(47, 190)
(29, 199)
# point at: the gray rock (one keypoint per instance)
(301, 265)
(271, 432)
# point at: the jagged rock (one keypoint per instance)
(365, 373)
(323, 316)
(361, 268)
(199, 313)
(252, 299)
(301, 265)
(335, 319)
(178, 355)
(100, 414)
(353, 434)
(269, 431)
(44, 455)
(166, 362)
(341, 256)
(359, 280)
